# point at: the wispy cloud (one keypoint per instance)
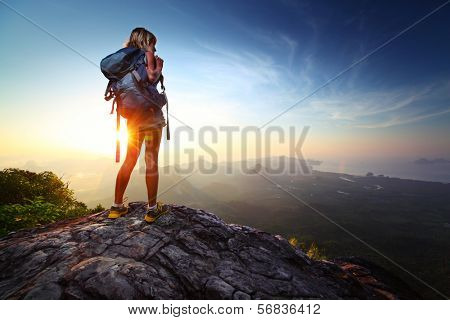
(275, 68)
(381, 109)
(292, 47)
(255, 80)
(253, 76)
(398, 120)
(242, 68)
(295, 50)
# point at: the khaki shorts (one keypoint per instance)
(143, 120)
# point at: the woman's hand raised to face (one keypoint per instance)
(159, 63)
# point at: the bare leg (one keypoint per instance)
(133, 150)
(152, 142)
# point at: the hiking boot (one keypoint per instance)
(117, 212)
(153, 214)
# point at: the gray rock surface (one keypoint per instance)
(187, 254)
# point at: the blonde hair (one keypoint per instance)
(140, 38)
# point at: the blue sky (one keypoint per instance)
(235, 63)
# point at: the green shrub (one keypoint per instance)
(18, 186)
(314, 252)
(29, 199)
(98, 208)
(36, 212)
(293, 241)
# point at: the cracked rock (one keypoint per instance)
(187, 254)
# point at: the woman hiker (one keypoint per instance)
(143, 126)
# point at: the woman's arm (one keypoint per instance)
(154, 66)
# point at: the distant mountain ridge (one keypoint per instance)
(432, 161)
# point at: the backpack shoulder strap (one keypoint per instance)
(109, 93)
(163, 88)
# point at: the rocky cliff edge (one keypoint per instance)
(187, 254)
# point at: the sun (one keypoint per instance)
(122, 140)
(95, 135)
